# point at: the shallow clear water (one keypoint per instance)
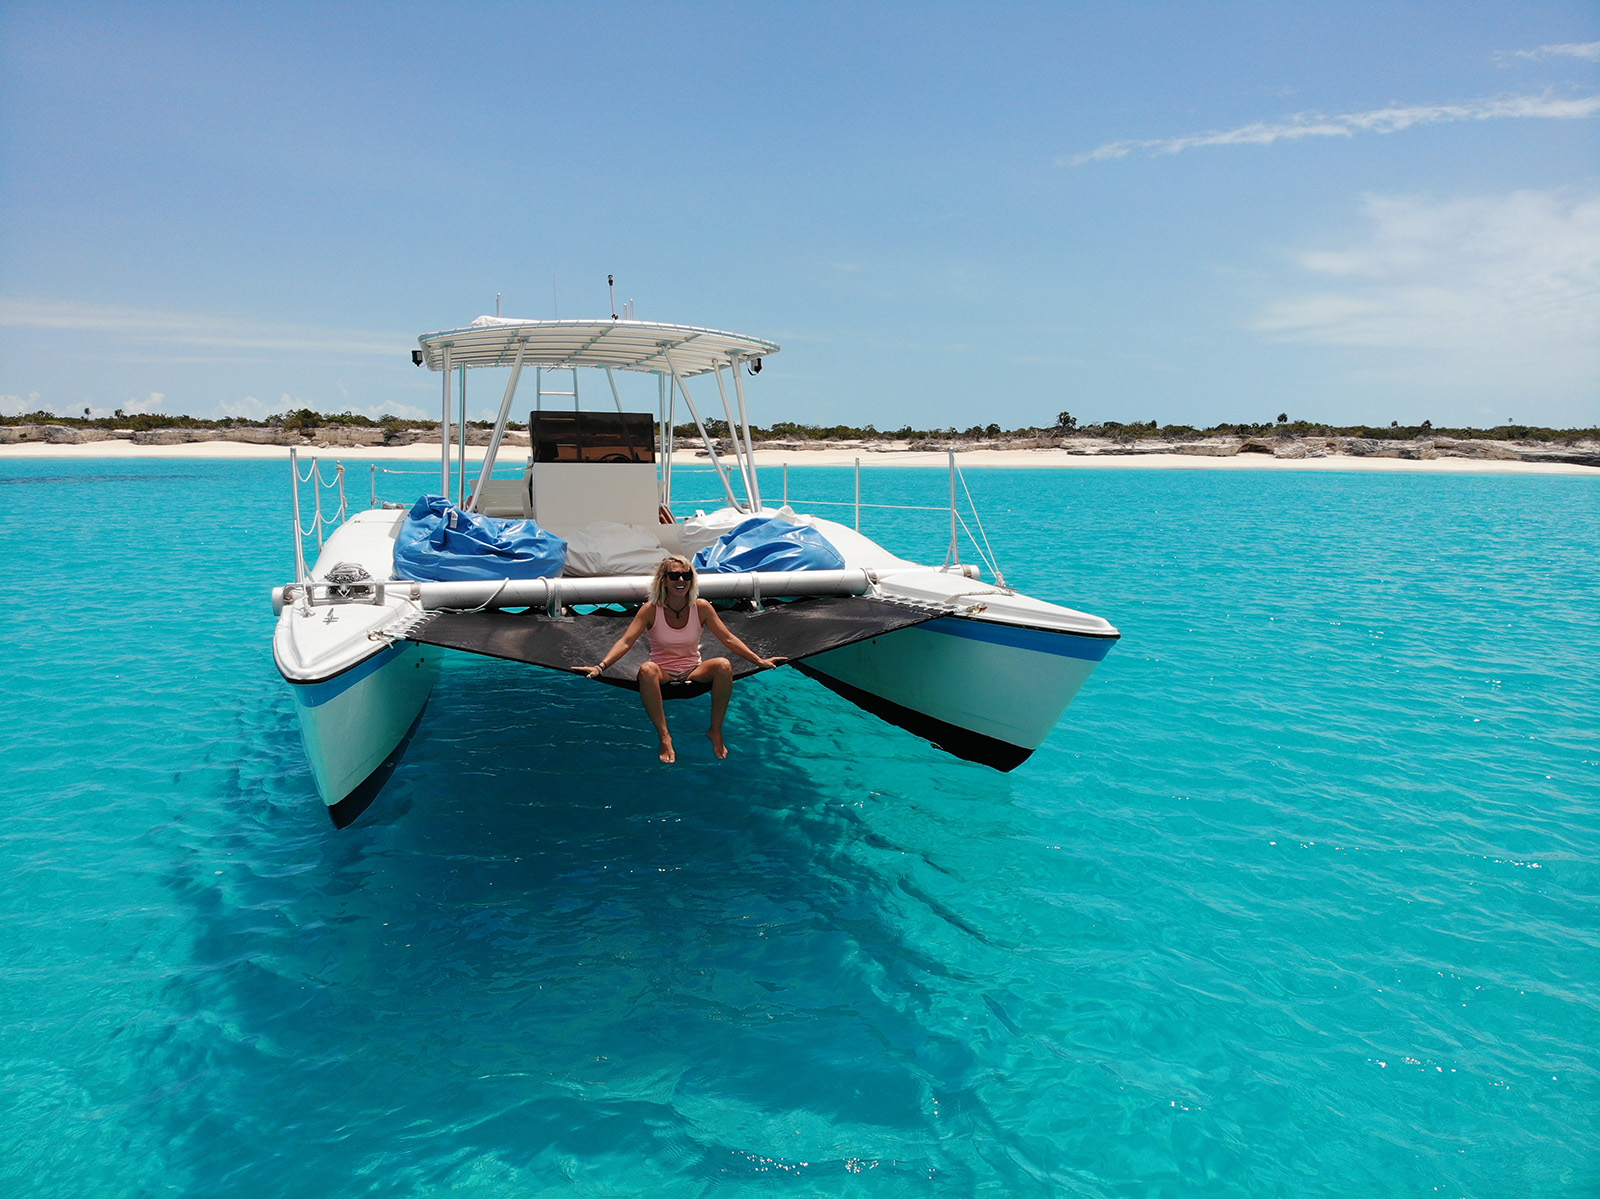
(1301, 898)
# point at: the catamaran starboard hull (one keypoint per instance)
(982, 690)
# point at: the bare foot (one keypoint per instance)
(716, 743)
(667, 755)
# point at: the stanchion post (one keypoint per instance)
(299, 551)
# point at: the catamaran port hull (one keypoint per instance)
(981, 690)
(355, 726)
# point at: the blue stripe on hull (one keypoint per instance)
(1067, 645)
(313, 695)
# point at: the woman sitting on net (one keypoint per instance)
(673, 619)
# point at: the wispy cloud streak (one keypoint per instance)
(192, 329)
(1378, 120)
(1589, 50)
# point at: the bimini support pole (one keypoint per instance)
(711, 446)
(738, 446)
(499, 430)
(461, 430)
(670, 386)
(664, 452)
(953, 555)
(744, 419)
(444, 430)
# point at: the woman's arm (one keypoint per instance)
(709, 618)
(640, 622)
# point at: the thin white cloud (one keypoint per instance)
(151, 403)
(1588, 50)
(251, 408)
(193, 329)
(248, 408)
(1514, 279)
(1378, 120)
(15, 405)
(403, 411)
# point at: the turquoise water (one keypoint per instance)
(1300, 898)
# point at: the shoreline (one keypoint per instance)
(977, 457)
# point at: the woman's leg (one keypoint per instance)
(650, 693)
(720, 672)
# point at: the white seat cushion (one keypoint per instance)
(605, 547)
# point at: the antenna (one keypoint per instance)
(611, 283)
(497, 303)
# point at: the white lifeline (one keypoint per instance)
(987, 679)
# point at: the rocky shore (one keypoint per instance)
(1043, 450)
(1580, 453)
(324, 437)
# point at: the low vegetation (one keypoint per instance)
(1139, 430)
(1065, 426)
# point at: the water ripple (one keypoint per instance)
(1298, 900)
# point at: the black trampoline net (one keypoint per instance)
(794, 629)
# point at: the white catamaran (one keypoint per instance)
(978, 669)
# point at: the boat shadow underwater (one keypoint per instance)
(579, 954)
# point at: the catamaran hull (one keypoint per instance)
(981, 690)
(355, 725)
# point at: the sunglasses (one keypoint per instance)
(680, 576)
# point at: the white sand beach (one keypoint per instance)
(1055, 459)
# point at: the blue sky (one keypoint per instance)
(946, 214)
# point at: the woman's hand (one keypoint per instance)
(617, 652)
(712, 621)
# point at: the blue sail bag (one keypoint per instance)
(767, 543)
(440, 543)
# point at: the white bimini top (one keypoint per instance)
(615, 344)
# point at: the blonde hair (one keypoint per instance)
(658, 584)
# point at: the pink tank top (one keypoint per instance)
(676, 651)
